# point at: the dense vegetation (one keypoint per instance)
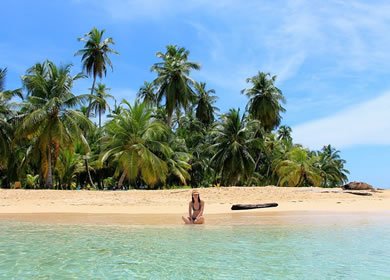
(173, 135)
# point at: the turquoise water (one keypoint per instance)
(38, 251)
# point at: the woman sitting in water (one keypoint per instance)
(195, 210)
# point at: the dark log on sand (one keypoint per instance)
(252, 206)
(360, 193)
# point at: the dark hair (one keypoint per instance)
(193, 198)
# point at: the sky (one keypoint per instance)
(331, 59)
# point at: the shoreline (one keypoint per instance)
(296, 218)
(158, 207)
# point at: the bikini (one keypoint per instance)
(193, 208)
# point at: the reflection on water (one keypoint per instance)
(356, 250)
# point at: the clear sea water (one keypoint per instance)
(358, 250)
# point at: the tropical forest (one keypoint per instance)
(171, 136)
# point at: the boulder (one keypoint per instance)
(357, 186)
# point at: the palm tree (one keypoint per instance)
(332, 168)
(204, 104)
(136, 141)
(49, 122)
(232, 158)
(284, 133)
(147, 94)
(298, 169)
(178, 160)
(69, 165)
(265, 100)
(99, 103)
(173, 81)
(7, 115)
(94, 55)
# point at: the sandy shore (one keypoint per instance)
(164, 206)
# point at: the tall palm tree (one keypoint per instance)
(173, 81)
(49, 122)
(204, 104)
(94, 55)
(99, 103)
(232, 158)
(147, 94)
(136, 141)
(265, 100)
(298, 169)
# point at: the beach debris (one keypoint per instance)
(253, 206)
(360, 193)
(358, 186)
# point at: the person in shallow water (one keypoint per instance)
(195, 210)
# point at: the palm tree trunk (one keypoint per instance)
(88, 173)
(92, 89)
(49, 178)
(122, 179)
(169, 120)
(100, 119)
(93, 84)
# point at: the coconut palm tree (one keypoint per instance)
(137, 142)
(178, 160)
(173, 81)
(332, 168)
(233, 142)
(204, 104)
(147, 94)
(265, 100)
(50, 123)
(98, 103)
(7, 118)
(94, 55)
(284, 133)
(298, 169)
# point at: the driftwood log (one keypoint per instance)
(252, 206)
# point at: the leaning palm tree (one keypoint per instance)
(136, 142)
(173, 81)
(265, 100)
(232, 144)
(204, 104)
(94, 55)
(49, 122)
(98, 103)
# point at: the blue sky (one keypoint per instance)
(331, 57)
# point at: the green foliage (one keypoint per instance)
(94, 55)
(49, 122)
(298, 169)
(32, 181)
(174, 138)
(233, 139)
(265, 100)
(173, 81)
(137, 142)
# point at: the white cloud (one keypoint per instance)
(364, 124)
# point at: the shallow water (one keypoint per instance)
(331, 251)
